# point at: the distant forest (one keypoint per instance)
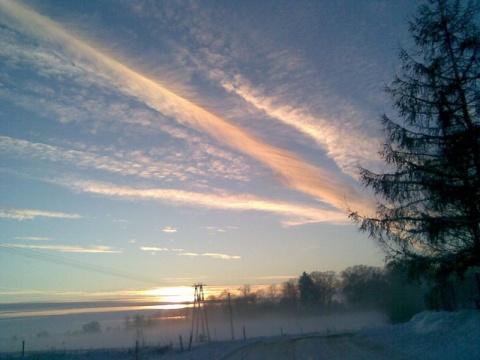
(361, 287)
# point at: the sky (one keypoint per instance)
(156, 144)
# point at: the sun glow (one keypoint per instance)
(173, 295)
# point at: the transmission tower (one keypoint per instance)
(199, 317)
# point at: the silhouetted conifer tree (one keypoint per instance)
(309, 295)
(428, 209)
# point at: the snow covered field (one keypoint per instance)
(432, 335)
(429, 335)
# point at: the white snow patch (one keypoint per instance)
(432, 335)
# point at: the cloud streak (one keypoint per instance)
(30, 214)
(125, 163)
(212, 255)
(222, 256)
(295, 173)
(295, 214)
(33, 238)
(68, 248)
(345, 144)
(152, 248)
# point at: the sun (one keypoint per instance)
(173, 294)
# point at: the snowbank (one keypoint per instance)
(432, 335)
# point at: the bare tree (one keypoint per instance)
(327, 283)
(272, 291)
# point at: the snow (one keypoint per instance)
(432, 335)
(428, 335)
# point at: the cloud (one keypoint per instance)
(295, 214)
(320, 183)
(153, 249)
(222, 256)
(29, 214)
(276, 277)
(289, 89)
(33, 238)
(216, 229)
(170, 229)
(189, 254)
(126, 163)
(344, 142)
(68, 248)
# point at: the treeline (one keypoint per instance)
(388, 289)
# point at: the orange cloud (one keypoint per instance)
(322, 184)
(295, 214)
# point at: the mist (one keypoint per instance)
(125, 329)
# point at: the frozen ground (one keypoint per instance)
(432, 335)
(429, 335)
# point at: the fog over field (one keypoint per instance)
(117, 328)
(367, 335)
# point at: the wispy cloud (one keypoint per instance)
(137, 163)
(294, 213)
(211, 255)
(170, 229)
(152, 248)
(344, 141)
(68, 248)
(289, 90)
(30, 214)
(222, 256)
(33, 238)
(220, 229)
(294, 172)
(276, 277)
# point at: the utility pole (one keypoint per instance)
(199, 317)
(231, 315)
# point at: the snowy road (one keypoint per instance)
(312, 347)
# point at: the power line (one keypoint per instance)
(74, 263)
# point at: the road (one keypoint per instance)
(341, 347)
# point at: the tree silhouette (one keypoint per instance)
(326, 283)
(289, 293)
(428, 203)
(365, 286)
(309, 295)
